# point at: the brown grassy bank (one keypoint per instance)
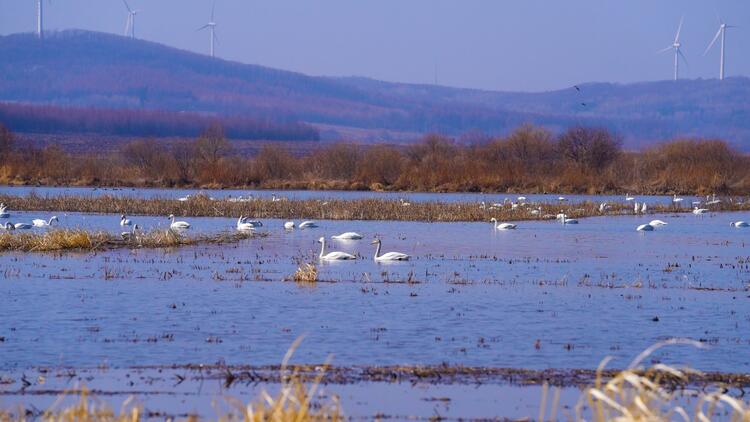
(358, 209)
(60, 239)
(531, 159)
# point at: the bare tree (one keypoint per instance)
(591, 148)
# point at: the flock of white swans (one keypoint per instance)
(247, 224)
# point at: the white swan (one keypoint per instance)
(132, 234)
(42, 223)
(332, 256)
(289, 225)
(657, 223)
(629, 198)
(308, 225)
(347, 236)
(740, 224)
(185, 198)
(390, 256)
(243, 224)
(23, 226)
(643, 208)
(4, 211)
(565, 220)
(676, 199)
(502, 226)
(645, 228)
(697, 210)
(603, 207)
(124, 221)
(404, 203)
(8, 227)
(562, 198)
(178, 224)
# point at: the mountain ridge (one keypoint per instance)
(83, 68)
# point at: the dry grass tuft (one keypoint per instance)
(62, 239)
(306, 273)
(53, 240)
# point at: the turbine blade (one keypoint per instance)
(679, 52)
(127, 24)
(679, 29)
(216, 37)
(664, 50)
(127, 6)
(716, 37)
(202, 27)
(213, 8)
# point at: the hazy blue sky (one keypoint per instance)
(521, 45)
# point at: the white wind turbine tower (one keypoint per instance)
(721, 32)
(130, 24)
(677, 52)
(211, 25)
(40, 18)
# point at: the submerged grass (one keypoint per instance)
(637, 394)
(334, 209)
(63, 239)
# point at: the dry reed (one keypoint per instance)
(306, 273)
(332, 209)
(62, 239)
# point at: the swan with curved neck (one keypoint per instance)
(332, 256)
(43, 223)
(389, 256)
(502, 226)
(124, 221)
(178, 224)
(244, 224)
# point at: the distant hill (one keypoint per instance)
(80, 68)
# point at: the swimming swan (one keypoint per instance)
(390, 256)
(43, 223)
(740, 224)
(245, 224)
(124, 221)
(308, 225)
(645, 228)
(657, 223)
(332, 256)
(347, 236)
(502, 226)
(178, 224)
(289, 225)
(23, 226)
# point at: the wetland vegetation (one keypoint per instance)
(531, 159)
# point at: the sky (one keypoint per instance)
(508, 45)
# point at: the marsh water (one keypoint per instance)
(148, 193)
(545, 295)
(471, 295)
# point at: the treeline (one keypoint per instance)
(146, 123)
(531, 159)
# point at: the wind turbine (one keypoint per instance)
(723, 32)
(40, 18)
(211, 25)
(677, 52)
(130, 23)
